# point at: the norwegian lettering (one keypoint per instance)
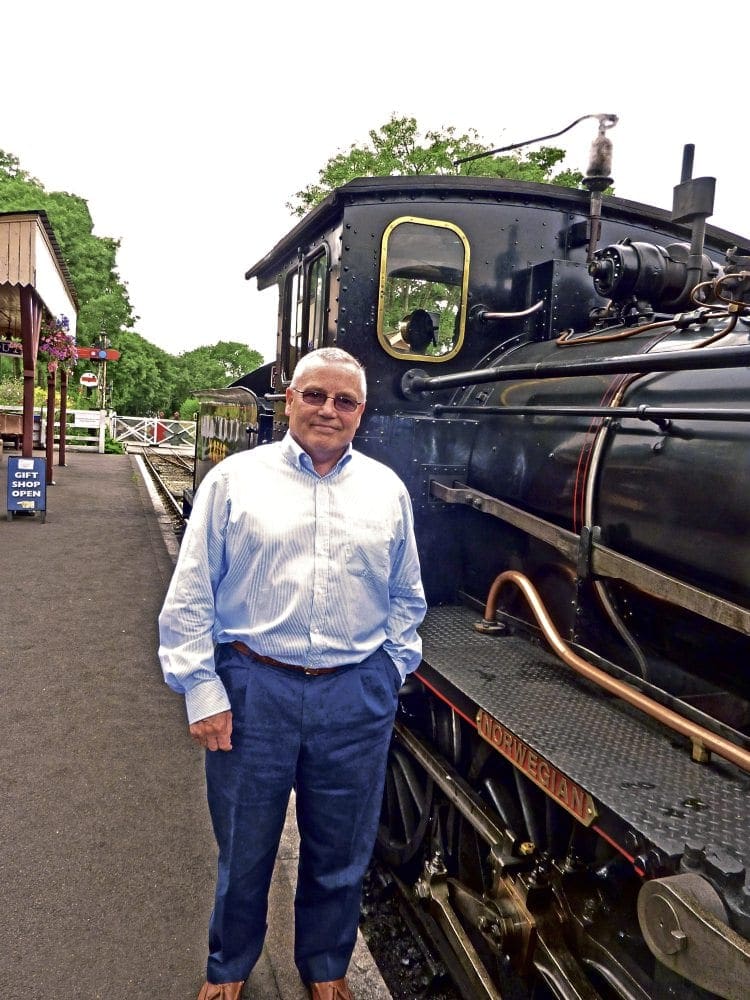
(557, 785)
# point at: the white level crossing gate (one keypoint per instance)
(153, 431)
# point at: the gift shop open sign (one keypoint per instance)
(27, 486)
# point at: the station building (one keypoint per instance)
(35, 285)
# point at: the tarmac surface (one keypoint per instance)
(107, 858)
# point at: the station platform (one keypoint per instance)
(107, 858)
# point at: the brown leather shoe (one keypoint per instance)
(221, 991)
(334, 989)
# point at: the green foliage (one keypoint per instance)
(398, 148)
(11, 391)
(189, 408)
(112, 447)
(11, 166)
(142, 379)
(79, 399)
(217, 366)
(146, 379)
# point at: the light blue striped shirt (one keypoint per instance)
(316, 571)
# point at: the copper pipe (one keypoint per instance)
(731, 324)
(732, 276)
(568, 339)
(702, 738)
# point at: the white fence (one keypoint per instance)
(85, 430)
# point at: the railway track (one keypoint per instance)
(405, 943)
(171, 474)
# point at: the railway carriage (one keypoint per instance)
(561, 379)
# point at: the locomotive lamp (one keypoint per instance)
(598, 177)
(600, 156)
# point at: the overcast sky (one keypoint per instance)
(188, 126)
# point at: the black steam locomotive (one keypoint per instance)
(562, 380)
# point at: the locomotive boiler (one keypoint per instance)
(562, 380)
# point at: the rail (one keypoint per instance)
(165, 488)
(602, 560)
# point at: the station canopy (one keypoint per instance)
(34, 283)
(30, 258)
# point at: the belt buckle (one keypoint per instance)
(310, 671)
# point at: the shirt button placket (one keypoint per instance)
(320, 568)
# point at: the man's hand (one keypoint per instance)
(214, 732)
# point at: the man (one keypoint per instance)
(289, 625)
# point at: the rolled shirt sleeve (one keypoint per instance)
(187, 618)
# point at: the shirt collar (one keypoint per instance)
(298, 457)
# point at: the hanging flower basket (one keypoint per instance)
(57, 344)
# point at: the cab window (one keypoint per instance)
(316, 302)
(292, 333)
(304, 316)
(424, 276)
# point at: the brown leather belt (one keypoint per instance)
(310, 671)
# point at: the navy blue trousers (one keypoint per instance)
(327, 737)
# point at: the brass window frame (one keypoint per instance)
(464, 286)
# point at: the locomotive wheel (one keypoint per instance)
(408, 797)
(407, 804)
(445, 728)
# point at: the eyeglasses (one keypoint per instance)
(315, 397)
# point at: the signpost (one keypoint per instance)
(27, 486)
(100, 353)
(90, 380)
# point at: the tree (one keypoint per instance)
(215, 367)
(146, 379)
(10, 165)
(397, 148)
(220, 364)
(238, 359)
